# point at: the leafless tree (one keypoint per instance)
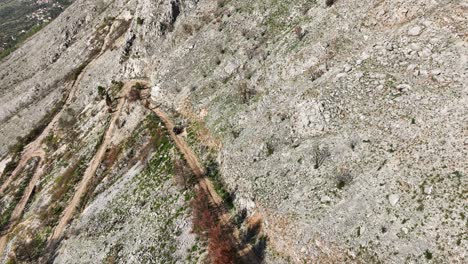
(320, 155)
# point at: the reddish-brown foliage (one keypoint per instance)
(111, 156)
(134, 95)
(204, 215)
(222, 248)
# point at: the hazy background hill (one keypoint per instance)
(18, 17)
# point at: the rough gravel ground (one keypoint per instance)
(343, 126)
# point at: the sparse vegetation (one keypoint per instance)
(140, 21)
(221, 3)
(62, 191)
(428, 254)
(300, 33)
(212, 172)
(116, 86)
(321, 154)
(101, 91)
(353, 142)
(329, 2)
(4, 53)
(29, 250)
(245, 92)
(188, 29)
(134, 95)
(140, 86)
(18, 192)
(343, 177)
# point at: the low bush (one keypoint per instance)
(140, 21)
(188, 29)
(212, 172)
(300, 33)
(140, 86)
(101, 91)
(343, 177)
(31, 249)
(178, 130)
(221, 3)
(62, 191)
(329, 2)
(245, 92)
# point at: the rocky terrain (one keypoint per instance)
(200, 131)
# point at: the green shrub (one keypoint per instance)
(101, 91)
(21, 40)
(29, 251)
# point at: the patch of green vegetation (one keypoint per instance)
(17, 195)
(428, 254)
(107, 22)
(277, 21)
(192, 132)
(21, 40)
(212, 172)
(101, 91)
(149, 198)
(16, 149)
(31, 250)
(270, 148)
(113, 254)
(140, 21)
(116, 87)
(63, 189)
(51, 142)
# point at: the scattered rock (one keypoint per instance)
(428, 190)
(325, 199)
(393, 199)
(415, 31)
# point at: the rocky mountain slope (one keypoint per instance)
(193, 131)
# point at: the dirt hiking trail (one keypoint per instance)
(90, 171)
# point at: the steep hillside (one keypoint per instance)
(193, 131)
